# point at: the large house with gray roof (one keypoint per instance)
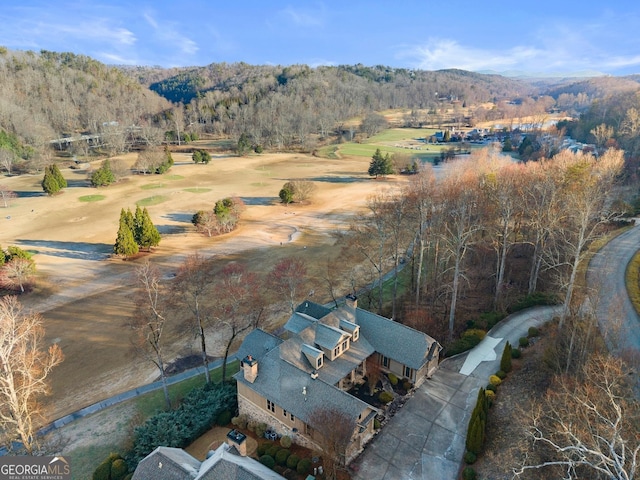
(284, 381)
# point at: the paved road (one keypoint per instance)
(606, 278)
(425, 439)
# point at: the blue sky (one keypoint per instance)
(562, 36)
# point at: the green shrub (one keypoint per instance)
(119, 469)
(292, 461)
(103, 472)
(523, 342)
(407, 385)
(469, 339)
(273, 450)
(376, 423)
(533, 332)
(501, 375)
(224, 418)
(490, 394)
(285, 441)
(492, 387)
(304, 466)
(263, 447)
(260, 429)
(385, 397)
(532, 300)
(468, 473)
(495, 380)
(393, 379)
(490, 319)
(470, 457)
(258, 149)
(281, 456)
(240, 421)
(516, 353)
(474, 332)
(268, 461)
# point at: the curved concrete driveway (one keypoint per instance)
(425, 439)
(618, 319)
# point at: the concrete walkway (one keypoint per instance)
(425, 439)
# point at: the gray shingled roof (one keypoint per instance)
(298, 322)
(295, 391)
(257, 343)
(225, 465)
(329, 337)
(394, 340)
(313, 309)
(167, 463)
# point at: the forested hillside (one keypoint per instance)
(46, 95)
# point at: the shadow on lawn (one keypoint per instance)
(76, 250)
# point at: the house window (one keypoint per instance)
(292, 417)
(308, 430)
(319, 362)
(345, 345)
(385, 361)
(407, 372)
(336, 351)
(356, 333)
(284, 413)
(271, 406)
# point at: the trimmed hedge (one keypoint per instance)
(267, 461)
(393, 379)
(385, 397)
(285, 441)
(292, 461)
(304, 466)
(523, 342)
(282, 456)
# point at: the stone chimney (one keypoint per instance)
(351, 301)
(250, 368)
(237, 439)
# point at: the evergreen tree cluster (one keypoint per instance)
(201, 156)
(178, 428)
(380, 165)
(477, 424)
(136, 231)
(103, 176)
(53, 180)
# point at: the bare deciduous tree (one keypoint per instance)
(238, 304)
(589, 425)
(24, 368)
(149, 320)
(6, 195)
(17, 272)
(334, 432)
(191, 287)
(288, 279)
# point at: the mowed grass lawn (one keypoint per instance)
(389, 141)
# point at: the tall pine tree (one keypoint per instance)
(149, 236)
(125, 243)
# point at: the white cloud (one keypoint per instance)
(445, 53)
(310, 17)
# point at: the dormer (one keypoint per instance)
(352, 328)
(313, 355)
(333, 341)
